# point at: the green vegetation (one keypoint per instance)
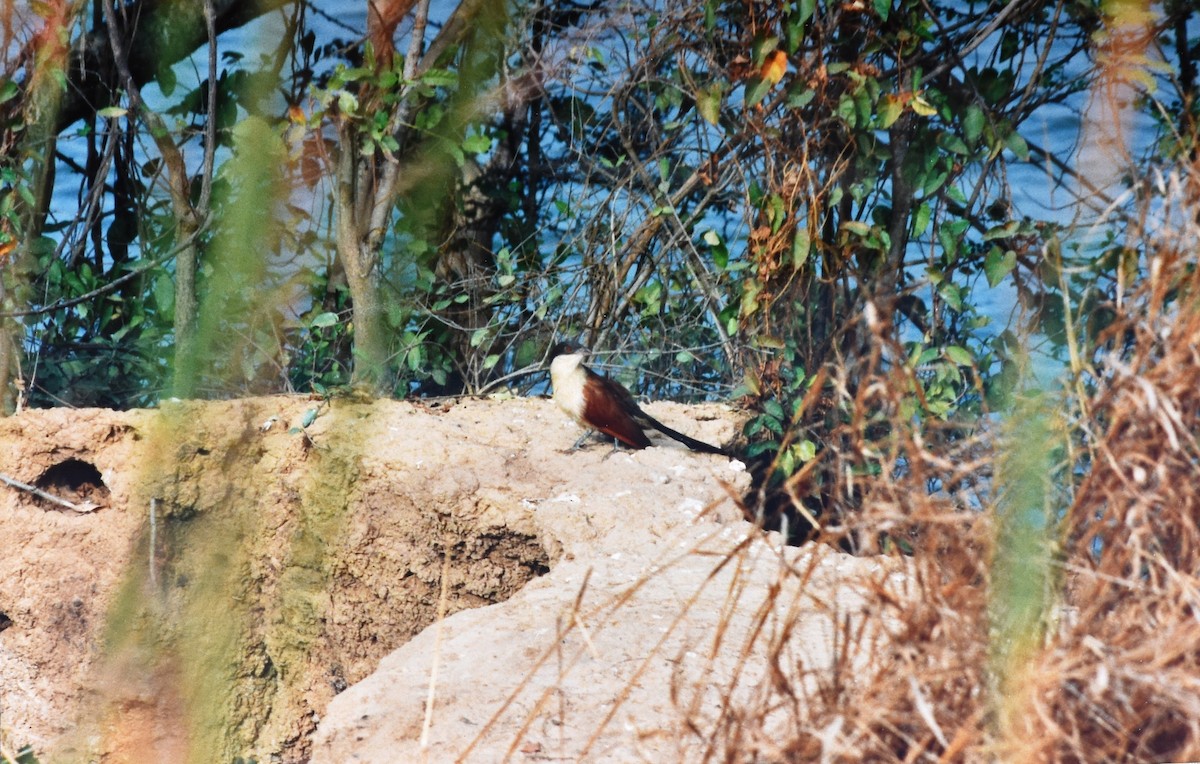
(714, 194)
(850, 216)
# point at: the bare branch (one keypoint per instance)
(82, 508)
(210, 126)
(110, 286)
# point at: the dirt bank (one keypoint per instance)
(246, 565)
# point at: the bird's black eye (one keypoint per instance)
(562, 348)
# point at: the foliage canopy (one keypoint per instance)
(713, 192)
(879, 224)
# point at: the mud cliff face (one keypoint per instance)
(245, 564)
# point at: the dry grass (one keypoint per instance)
(1051, 610)
(1049, 603)
(1039, 598)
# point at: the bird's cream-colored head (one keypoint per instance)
(567, 377)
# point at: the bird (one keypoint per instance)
(596, 402)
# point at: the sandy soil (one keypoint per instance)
(257, 584)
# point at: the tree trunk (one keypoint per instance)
(41, 110)
(361, 263)
(370, 334)
(10, 333)
(166, 32)
(178, 181)
(183, 384)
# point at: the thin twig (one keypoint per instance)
(575, 610)
(437, 651)
(88, 506)
(106, 288)
(210, 126)
(153, 542)
(524, 371)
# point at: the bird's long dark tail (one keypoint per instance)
(696, 445)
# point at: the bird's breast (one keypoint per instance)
(568, 379)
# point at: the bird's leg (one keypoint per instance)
(616, 447)
(579, 443)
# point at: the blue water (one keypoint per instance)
(1039, 191)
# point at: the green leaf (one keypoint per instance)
(8, 91)
(857, 228)
(973, 125)
(925, 356)
(324, 320)
(806, 10)
(883, 8)
(309, 417)
(921, 219)
(799, 95)
(760, 447)
(415, 357)
(164, 293)
(933, 182)
(347, 102)
(787, 462)
(763, 46)
(1001, 231)
(1017, 145)
(708, 103)
(958, 355)
(440, 78)
(846, 110)
(476, 144)
(751, 385)
(952, 295)
(166, 80)
(806, 450)
(776, 212)
(890, 109)
(953, 144)
(756, 89)
(997, 265)
(527, 353)
(801, 247)
(720, 256)
(773, 409)
(922, 107)
(772, 424)
(949, 242)
(109, 112)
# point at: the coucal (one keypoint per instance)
(599, 403)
